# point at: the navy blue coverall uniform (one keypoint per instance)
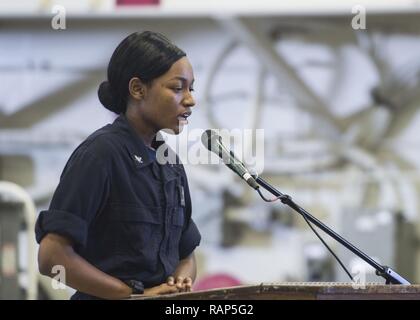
(125, 213)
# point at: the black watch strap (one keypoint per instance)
(135, 285)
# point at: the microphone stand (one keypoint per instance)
(390, 276)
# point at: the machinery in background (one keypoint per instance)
(17, 213)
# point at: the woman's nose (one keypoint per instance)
(189, 100)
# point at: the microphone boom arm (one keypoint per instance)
(390, 276)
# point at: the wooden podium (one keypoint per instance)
(300, 291)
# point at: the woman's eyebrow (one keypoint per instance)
(182, 79)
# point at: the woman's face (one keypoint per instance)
(168, 99)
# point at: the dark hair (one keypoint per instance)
(145, 55)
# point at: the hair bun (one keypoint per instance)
(107, 98)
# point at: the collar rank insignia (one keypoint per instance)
(138, 159)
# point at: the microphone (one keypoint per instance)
(213, 142)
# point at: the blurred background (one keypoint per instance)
(338, 103)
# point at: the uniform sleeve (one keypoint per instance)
(191, 237)
(81, 193)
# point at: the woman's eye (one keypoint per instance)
(191, 89)
(178, 89)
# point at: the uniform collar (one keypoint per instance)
(139, 153)
(138, 149)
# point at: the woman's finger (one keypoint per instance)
(188, 283)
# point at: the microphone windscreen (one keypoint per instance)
(208, 137)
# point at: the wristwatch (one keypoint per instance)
(136, 286)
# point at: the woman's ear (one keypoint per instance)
(136, 88)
